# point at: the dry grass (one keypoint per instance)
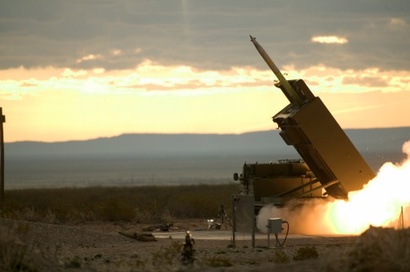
(16, 254)
(131, 204)
(377, 249)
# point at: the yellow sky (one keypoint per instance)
(47, 104)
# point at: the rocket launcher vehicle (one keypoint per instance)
(308, 125)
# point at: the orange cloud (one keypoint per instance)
(63, 104)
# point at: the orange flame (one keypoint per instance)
(379, 204)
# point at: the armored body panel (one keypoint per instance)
(322, 144)
(274, 183)
(308, 125)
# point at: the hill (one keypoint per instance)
(380, 140)
(156, 159)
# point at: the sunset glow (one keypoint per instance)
(74, 71)
(60, 104)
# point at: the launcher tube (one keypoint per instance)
(286, 86)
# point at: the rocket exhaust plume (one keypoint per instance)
(378, 204)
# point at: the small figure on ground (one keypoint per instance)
(188, 251)
(189, 240)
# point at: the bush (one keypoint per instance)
(14, 254)
(167, 255)
(306, 252)
(378, 249)
(217, 261)
(141, 204)
(113, 209)
(280, 257)
(75, 262)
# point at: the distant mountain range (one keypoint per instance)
(163, 159)
(374, 141)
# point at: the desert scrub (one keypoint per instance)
(217, 261)
(167, 255)
(144, 204)
(280, 257)
(377, 249)
(113, 209)
(74, 262)
(14, 254)
(306, 252)
(13, 257)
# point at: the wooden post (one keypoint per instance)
(2, 120)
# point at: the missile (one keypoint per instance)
(283, 82)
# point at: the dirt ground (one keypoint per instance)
(112, 247)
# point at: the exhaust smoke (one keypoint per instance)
(378, 204)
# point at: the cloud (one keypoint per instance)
(27, 84)
(89, 57)
(329, 39)
(371, 81)
(150, 76)
(397, 23)
(211, 35)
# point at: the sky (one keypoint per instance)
(76, 70)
